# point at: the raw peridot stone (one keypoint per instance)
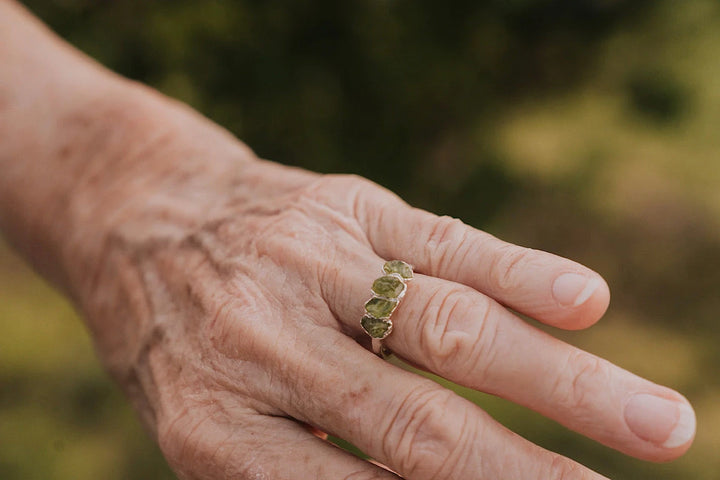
(376, 327)
(399, 267)
(388, 286)
(380, 307)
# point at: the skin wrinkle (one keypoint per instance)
(133, 295)
(440, 349)
(264, 359)
(250, 362)
(280, 241)
(482, 354)
(300, 378)
(248, 467)
(587, 370)
(463, 255)
(440, 242)
(505, 276)
(214, 252)
(122, 244)
(166, 429)
(344, 216)
(186, 455)
(410, 439)
(333, 277)
(333, 220)
(470, 437)
(139, 379)
(433, 317)
(151, 249)
(455, 463)
(204, 307)
(111, 140)
(358, 208)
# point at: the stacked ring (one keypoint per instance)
(387, 292)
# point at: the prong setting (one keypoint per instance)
(387, 291)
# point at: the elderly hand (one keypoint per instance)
(225, 294)
(229, 303)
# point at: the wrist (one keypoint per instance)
(145, 163)
(113, 153)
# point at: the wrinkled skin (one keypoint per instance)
(224, 294)
(227, 302)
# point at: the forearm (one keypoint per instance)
(42, 84)
(82, 150)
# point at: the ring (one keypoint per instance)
(387, 292)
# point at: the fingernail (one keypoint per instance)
(572, 289)
(663, 422)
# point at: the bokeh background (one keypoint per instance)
(589, 128)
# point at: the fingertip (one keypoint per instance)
(668, 424)
(683, 434)
(581, 300)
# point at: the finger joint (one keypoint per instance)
(422, 436)
(586, 375)
(459, 329)
(506, 267)
(448, 245)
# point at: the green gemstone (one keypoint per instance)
(398, 266)
(388, 286)
(375, 327)
(380, 307)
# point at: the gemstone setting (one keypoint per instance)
(389, 286)
(379, 307)
(376, 327)
(399, 267)
(387, 290)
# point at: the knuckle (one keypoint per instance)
(363, 201)
(436, 337)
(448, 244)
(445, 230)
(481, 351)
(458, 352)
(586, 375)
(422, 436)
(347, 179)
(353, 180)
(507, 263)
(278, 235)
(326, 186)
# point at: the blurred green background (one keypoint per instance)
(589, 128)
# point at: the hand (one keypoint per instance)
(228, 302)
